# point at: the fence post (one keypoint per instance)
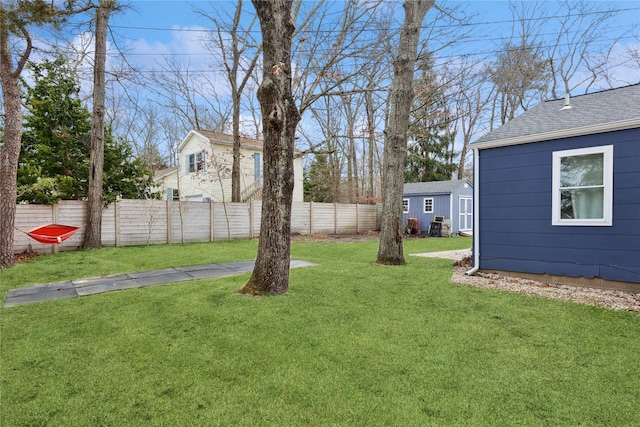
(251, 212)
(357, 216)
(335, 218)
(169, 221)
(311, 217)
(211, 223)
(54, 217)
(116, 221)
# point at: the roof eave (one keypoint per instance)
(165, 174)
(564, 133)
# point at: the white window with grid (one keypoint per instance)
(428, 205)
(405, 205)
(582, 184)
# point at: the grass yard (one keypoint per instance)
(351, 344)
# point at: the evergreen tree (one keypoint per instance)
(429, 156)
(317, 179)
(56, 143)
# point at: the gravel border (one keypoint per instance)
(611, 299)
(615, 300)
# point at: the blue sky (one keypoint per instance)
(151, 28)
(170, 27)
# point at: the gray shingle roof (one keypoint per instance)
(432, 187)
(598, 108)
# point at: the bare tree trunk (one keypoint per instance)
(10, 150)
(235, 165)
(390, 250)
(371, 129)
(93, 231)
(280, 118)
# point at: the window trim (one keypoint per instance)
(405, 211)
(607, 179)
(424, 208)
(199, 162)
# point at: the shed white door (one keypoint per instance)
(466, 213)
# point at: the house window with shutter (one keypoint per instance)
(173, 194)
(196, 162)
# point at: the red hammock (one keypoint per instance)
(53, 233)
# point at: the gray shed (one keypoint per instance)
(452, 200)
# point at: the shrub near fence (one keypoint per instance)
(151, 222)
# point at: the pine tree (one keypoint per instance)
(317, 179)
(56, 145)
(429, 156)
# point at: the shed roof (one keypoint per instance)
(433, 187)
(604, 111)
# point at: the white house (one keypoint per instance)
(204, 169)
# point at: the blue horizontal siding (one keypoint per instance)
(515, 212)
(441, 207)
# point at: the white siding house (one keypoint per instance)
(204, 169)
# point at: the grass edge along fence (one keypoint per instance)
(150, 222)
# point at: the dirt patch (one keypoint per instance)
(336, 238)
(25, 256)
(351, 237)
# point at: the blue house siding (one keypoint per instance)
(516, 215)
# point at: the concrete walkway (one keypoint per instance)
(456, 255)
(84, 287)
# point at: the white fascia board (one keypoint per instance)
(564, 133)
(186, 139)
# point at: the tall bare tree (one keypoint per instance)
(471, 94)
(280, 117)
(93, 226)
(239, 56)
(190, 98)
(390, 250)
(336, 77)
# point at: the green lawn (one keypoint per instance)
(351, 344)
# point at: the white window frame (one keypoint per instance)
(198, 160)
(424, 205)
(607, 172)
(405, 205)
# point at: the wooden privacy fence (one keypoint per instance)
(150, 222)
